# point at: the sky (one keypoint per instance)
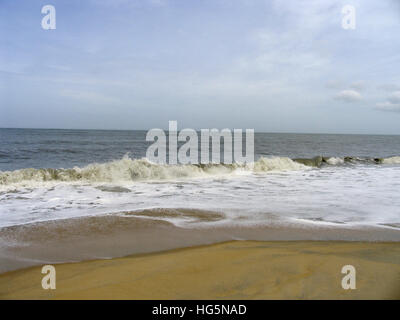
(272, 66)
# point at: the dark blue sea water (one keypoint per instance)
(43, 148)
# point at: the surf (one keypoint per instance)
(131, 170)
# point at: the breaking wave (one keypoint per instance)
(335, 161)
(127, 169)
(392, 160)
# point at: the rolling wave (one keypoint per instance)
(127, 169)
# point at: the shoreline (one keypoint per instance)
(113, 236)
(227, 270)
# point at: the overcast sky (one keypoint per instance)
(275, 66)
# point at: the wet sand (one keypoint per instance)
(113, 236)
(229, 270)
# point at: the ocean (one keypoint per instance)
(48, 175)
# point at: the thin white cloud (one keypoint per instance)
(345, 85)
(392, 103)
(388, 106)
(395, 97)
(349, 96)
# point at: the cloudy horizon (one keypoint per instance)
(275, 66)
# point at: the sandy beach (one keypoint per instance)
(199, 150)
(229, 270)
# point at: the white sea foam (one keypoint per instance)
(277, 164)
(127, 169)
(274, 190)
(335, 161)
(336, 195)
(392, 160)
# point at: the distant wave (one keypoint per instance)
(319, 161)
(127, 169)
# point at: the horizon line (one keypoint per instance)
(255, 131)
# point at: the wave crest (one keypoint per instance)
(127, 169)
(392, 160)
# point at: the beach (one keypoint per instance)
(228, 270)
(223, 150)
(118, 226)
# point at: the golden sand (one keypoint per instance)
(230, 270)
